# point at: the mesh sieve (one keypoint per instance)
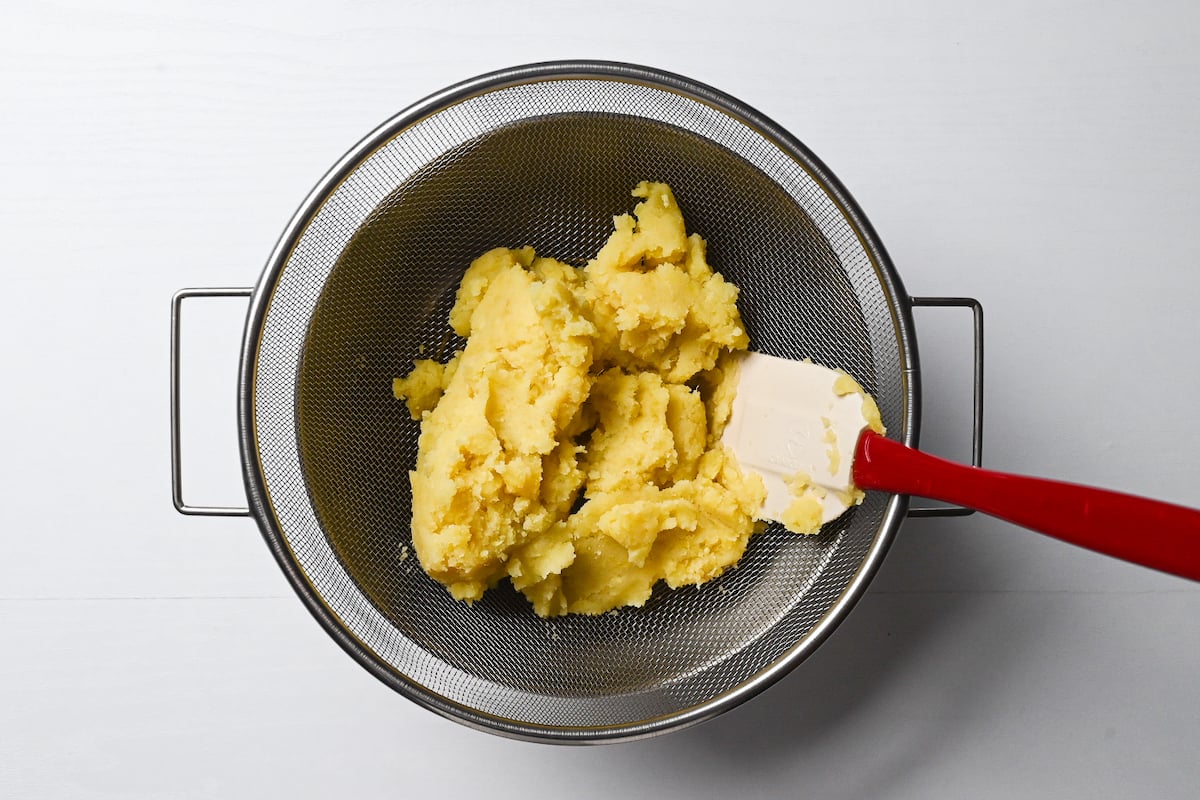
(361, 284)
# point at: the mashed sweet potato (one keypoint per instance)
(573, 445)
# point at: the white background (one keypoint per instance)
(1043, 157)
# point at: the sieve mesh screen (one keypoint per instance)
(365, 288)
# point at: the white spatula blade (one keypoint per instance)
(789, 419)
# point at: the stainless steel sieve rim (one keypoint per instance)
(899, 307)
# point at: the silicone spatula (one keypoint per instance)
(796, 417)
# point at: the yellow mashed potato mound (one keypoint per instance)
(573, 445)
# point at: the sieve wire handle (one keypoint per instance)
(176, 459)
(977, 413)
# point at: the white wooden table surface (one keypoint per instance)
(1043, 157)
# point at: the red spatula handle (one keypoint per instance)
(1146, 532)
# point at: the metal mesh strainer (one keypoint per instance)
(361, 284)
